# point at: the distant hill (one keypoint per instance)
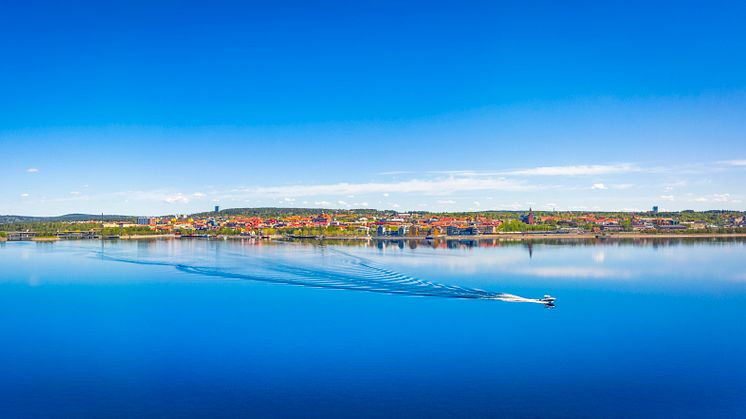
(6, 219)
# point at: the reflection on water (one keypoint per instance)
(530, 243)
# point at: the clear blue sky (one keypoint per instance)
(173, 107)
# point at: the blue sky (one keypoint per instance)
(174, 107)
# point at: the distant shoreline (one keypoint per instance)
(500, 237)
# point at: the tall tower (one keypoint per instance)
(530, 219)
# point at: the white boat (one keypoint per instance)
(548, 299)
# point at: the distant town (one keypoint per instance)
(372, 224)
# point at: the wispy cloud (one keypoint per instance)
(581, 170)
(571, 170)
(32, 170)
(717, 197)
(736, 163)
(395, 172)
(599, 186)
(423, 186)
(177, 198)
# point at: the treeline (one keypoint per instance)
(69, 218)
(49, 228)
(511, 226)
(129, 231)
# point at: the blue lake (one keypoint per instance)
(183, 328)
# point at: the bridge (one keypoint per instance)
(15, 236)
(66, 235)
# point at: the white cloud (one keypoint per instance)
(667, 197)
(199, 195)
(446, 201)
(599, 186)
(677, 184)
(24, 195)
(721, 197)
(321, 203)
(432, 186)
(176, 198)
(582, 170)
(736, 163)
(32, 170)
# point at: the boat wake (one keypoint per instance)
(343, 271)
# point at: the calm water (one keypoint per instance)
(227, 329)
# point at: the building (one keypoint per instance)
(458, 231)
(322, 220)
(529, 219)
(143, 221)
(655, 209)
(217, 208)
